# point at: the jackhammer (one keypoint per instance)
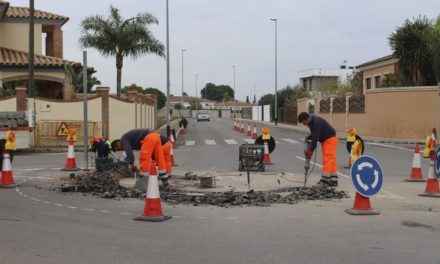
(308, 157)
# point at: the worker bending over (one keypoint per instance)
(149, 145)
(321, 131)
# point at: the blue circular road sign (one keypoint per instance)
(437, 164)
(366, 176)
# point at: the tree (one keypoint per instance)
(195, 104)
(178, 106)
(184, 94)
(436, 48)
(114, 36)
(247, 99)
(217, 92)
(76, 79)
(412, 45)
(266, 99)
(161, 98)
(134, 86)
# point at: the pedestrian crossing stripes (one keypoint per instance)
(190, 143)
(211, 142)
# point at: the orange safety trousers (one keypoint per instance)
(167, 155)
(151, 145)
(329, 148)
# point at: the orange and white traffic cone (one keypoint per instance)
(172, 156)
(266, 157)
(234, 126)
(254, 133)
(70, 161)
(153, 208)
(249, 131)
(7, 180)
(416, 171)
(182, 129)
(173, 140)
(361, 206)
(242, 127)
(432, 186)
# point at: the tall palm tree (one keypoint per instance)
(114, 36)
(411, 44)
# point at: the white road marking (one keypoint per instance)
(201, 217)
(210, 142)
(388, 146)
(190, 143)
(35, 199)
(24, 195)
(230, 142)
(46, 202)
(72, 207)
(277, 142)
(249, 140)
(105, 212)
(320, 166)
(88, 209)
(122, 213)
(293, 141)
(57, 204)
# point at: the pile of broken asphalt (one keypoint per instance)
(106, 185)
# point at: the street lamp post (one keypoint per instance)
(233, 105)
(168, 73)
(181, 99)
(276, 77)
(197, 76)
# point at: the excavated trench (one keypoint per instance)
(106, 185)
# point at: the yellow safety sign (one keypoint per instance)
(266, 133)
(62, 130)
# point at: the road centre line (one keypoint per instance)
(249, 140)
(320, 166)
(293, 141)
(387, 146)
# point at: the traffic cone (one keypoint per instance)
(152, 208)
(172, 156)
(7, 180)
(254, 134)
(172, 139)
(361, 206)
(181, 130)
(249, 131)
(242, 127)
(266, 157)
(70, 161)
(416, 171)
(432, 187)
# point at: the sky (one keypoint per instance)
(219, 34)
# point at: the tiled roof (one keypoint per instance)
(23, 12)
(381, 59)
(10, 57)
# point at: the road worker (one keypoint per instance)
(321, 131)
(149, 144)
(166, 146)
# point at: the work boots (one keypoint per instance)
(325, 181)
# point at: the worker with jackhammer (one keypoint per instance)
(321, 131)
(150, 145)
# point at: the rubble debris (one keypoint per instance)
(106, 185)
(102, 184)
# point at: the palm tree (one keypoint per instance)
(411, 44)
(114, 36)
(76, 79)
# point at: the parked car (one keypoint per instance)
(202, 116)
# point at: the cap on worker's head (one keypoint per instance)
(303, 116)
(116, 145)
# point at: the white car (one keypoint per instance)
(202, 116)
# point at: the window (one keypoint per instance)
(368, 83)
(377, 83)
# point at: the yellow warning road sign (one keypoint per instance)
(62, 130)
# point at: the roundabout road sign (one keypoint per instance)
(437, 163)
(366, 176)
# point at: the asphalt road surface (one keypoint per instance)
(38, 224)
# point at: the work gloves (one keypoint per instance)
(133, 168)
(308, 153)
